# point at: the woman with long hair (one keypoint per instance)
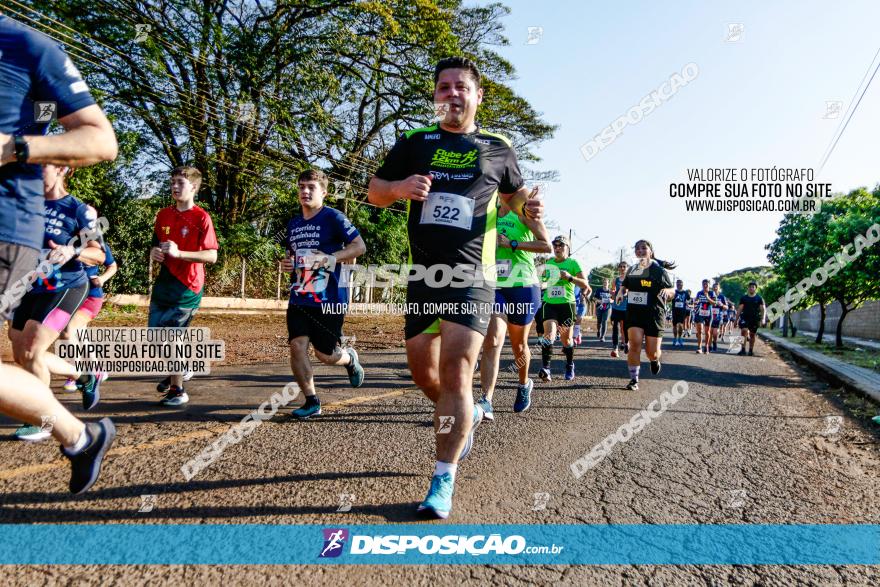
(647, 287)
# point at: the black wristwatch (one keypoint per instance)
(570, 279)
(514, 245)
(22, 150)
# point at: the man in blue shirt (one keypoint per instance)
(38, 81)
(318, 240)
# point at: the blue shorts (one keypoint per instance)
(170, 316)
(580, 310)
(519, 304)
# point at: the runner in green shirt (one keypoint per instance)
(517, 297)
(562, 273)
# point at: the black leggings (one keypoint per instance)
(615, 337)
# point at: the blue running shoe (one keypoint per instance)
(569, 372)
(307, 410)
(85, 466)
(523, 396)
(355, 371)
(91, 391)
(469, 443)
(486, 406)
(439, 499)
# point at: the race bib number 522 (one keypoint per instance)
(448, 210)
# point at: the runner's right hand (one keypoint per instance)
(415, 187)
(157, 255)
(287, 265)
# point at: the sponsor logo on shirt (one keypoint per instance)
(432, 137)
(646, 283)
(447, 176)
(453, 159)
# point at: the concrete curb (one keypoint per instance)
(858, 378)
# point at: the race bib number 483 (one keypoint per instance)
(637, 298)
(448, 210)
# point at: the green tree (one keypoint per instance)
(848, 220)
(251, 93)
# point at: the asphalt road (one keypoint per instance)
(755, 440)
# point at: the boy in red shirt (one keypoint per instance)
(183, 241)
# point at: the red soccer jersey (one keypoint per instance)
(191, 230)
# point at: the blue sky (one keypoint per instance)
(757, 102)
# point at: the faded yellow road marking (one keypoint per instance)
(195, 435)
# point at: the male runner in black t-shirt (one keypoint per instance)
(680, 312)
(451, 175)
(751, 315)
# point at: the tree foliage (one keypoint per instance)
(804, 243)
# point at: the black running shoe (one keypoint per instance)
(85, 466)
(655, 367)
(633, 385)
(164, 385)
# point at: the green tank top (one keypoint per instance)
(515, 268)
(560, 291)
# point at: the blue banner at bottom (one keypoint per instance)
(624, 544)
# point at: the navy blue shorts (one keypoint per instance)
(519, 304)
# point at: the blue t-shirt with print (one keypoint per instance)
(65, 219)
(328, 231)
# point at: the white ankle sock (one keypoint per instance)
(80, 443)
(440, 468)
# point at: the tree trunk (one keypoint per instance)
(785, 324)
(838, 339)
(821, 333)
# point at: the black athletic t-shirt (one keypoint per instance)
(751, 311)
(643, 285)
(680, 301)
(456, 225)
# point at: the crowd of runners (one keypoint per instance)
(468, 208)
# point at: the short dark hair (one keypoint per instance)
(314, 175)
(459, 63)
(755, 283)
(191, 173)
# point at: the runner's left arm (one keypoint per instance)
(110, 268)
(668, 291)
(541, 244)
(354, 249)
(581, 281)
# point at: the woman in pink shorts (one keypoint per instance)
(91, 306)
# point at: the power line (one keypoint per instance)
(853, 110)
